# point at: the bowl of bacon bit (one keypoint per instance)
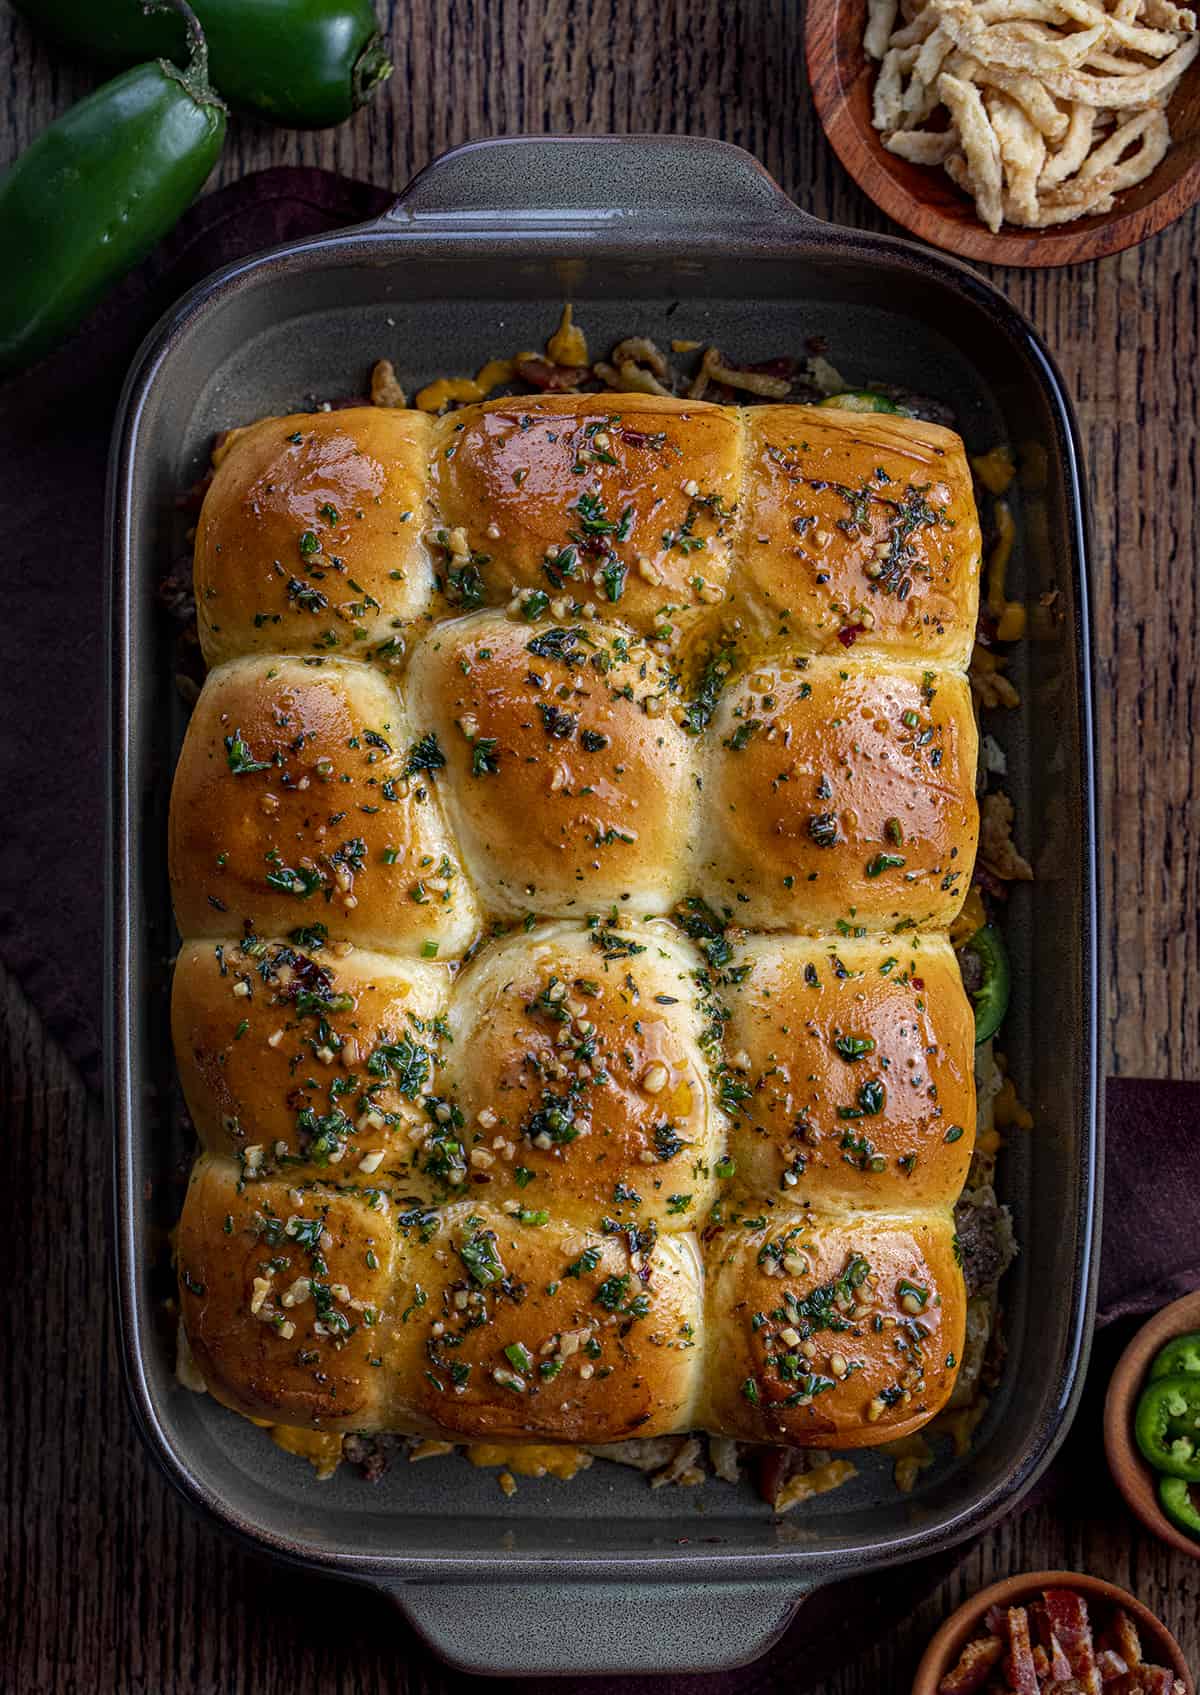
(1053, 1633)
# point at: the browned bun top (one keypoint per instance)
(858, 528)
(839, 796)
(302, 797)
(311, 1059)
(282, 1289)
(529, 1330)
(850, 1078)
(576, 1060)
(626, 500)
(831, 1333)
(312, 535)
(568, 783)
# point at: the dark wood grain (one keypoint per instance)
(926, 202)
(107, 1583)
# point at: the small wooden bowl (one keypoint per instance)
(1136, 1480)
(1158, 1645)
(925, 201)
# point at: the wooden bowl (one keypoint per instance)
(1137, 1480)
(1158, 1645)
(925, 201)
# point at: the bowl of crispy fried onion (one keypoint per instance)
(1027, 132)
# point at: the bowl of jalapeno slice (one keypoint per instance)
(1152, 1424)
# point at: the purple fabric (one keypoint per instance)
(54, 429)
(55, 422)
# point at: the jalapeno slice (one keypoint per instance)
(989, 983)
(1181, 1355)
(861, 400)
(1178, 1501)
(1167, 1425)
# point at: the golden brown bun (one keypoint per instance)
(851, 1072)
(566, 793)
(859, 531)
(576, 1060)
(309, 1058)
(819, 776)
(791, 1311)
(266, 1345)
(330, 831)
(312, 535)
(664, 473)
(418, 1310)
(603, 1338)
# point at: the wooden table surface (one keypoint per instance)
(107, 1583)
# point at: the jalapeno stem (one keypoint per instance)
(373, 66)
(194, 75)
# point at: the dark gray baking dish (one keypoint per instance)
(667, 237)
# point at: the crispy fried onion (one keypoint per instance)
(638, 366)
(1054, 106)
(385, 385)
(715, 369)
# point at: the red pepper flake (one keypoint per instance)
(850, 633)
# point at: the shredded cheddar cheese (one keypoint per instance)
(321, 1448)
(962, 1424)
(568, 345)
(1008, 1108)
(530, 1460)
(434, 396)
(995, 469)
(1009, 614)
(971, 918)
(819, 1481)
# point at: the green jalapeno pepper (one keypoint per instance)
(861, 400)
(302, 63)
(1178, 1501)
(95, 192)
(990, 996)
(1181, 1354)
(1167, 1425)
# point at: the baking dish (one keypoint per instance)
(663, 236)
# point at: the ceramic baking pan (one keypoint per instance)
(669, 237)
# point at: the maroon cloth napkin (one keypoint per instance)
(55, 423)
(54, 431)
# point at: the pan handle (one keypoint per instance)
(651, 186)
(527, 1628)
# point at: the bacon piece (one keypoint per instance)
(1060, 1666)
(1019, 1666)
(1068, 1617)
(992, 885)
(1110, 1664)
(555, 379)
(995, 1620)
(972, 1671)
(1122, 1637)
(1143, 1680)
